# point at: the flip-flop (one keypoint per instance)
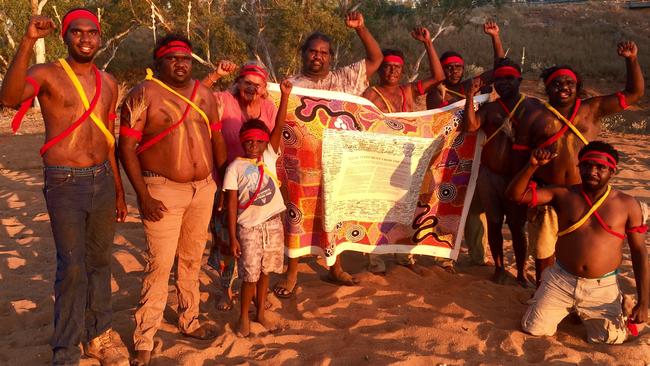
(448, 266)
(227, 307)
(283, 292)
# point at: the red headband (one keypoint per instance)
(599, 157)
(254, 134)
(561, 72)
(174, 46)
(394, 58)
(253, 70)
(452, 59)
(505, 71)
(78, 14)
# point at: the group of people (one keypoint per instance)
(198, 158)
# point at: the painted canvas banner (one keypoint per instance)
(358, 179)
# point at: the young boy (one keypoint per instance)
(254, 205)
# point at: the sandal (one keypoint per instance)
(284, 289)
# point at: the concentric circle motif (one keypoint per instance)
(446, 192)
(394, 124)
(289, 136)
(354, 233)
(458, 140)
(294, 215)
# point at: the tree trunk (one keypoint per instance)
(39, 47)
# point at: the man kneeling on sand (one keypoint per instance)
(596, 220)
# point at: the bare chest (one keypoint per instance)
(608, 214)
(166, 113)
(62, 103)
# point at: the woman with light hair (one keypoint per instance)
(246, 99)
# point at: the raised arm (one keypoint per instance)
(519, 191)
(437, 74)
(374, 56)
(471, 118)
(640, 265)
(14, 88)
(280, 118)
(224, 67)
(634, 86)
(492, 29)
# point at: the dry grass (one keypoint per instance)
(122, 91)
(582, 35)
(135, 108)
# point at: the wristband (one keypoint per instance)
(216, 126)
(621, 100)
(419, 87)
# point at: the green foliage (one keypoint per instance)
(273, 30)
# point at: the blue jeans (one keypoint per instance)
(81, 204)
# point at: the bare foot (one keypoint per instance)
(499, 276)
(268, 324)
(204, 332)
(633, 329)
(142, 358)
(342, 278)
(574, 318)
(628, 305)
(244, 326)
(523, 282)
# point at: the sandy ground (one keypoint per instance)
(400, 318)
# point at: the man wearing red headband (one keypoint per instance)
(453, 87)
(451, 90)
(595, 220)
(170, 142)
(83, 189)
(390, 96)
(498, 120)
(566, 123)
(351, 79)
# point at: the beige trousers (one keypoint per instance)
(597, 301)
(182, 233)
